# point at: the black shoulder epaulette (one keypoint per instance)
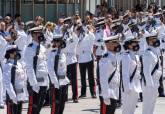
(54, 50)
(30, 45)
(127, 52)
(105, 55)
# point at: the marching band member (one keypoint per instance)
(85, 60)
(49, 33)
(71, 59)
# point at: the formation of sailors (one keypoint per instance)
(40, 63)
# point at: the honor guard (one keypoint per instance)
(85, 60)
(130, 72)
(161, 37)
(37, 73)
(71, 59)
(110, 76)
(151, 73)
(3, 44)
(57, 68)
(14, 80)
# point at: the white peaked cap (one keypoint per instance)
(153, 33)
(10, 47)
(36, 29)
(131, 37)
(146, 34)
(116, 37)
(57, 36)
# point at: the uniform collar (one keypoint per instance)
(35, 43)
(111, 54)
(154, 50)
(10, 61)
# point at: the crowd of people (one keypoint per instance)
(38, 61)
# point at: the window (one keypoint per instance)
(63, 1)
(27, 1)
(52, 1)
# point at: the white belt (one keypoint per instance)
(70, 54)
(18, 91)
(83, 52)
(40, 79)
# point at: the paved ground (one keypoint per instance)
(91, 106)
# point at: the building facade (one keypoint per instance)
(51, 10)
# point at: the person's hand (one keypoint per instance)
(107, 101)
(57, 86)
(14, 100)
(36, 88)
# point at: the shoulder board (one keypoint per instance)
(54, 50)
(149, 49)
(30, 45)
(125, 53)
(105, 55)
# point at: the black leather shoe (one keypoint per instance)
(82, 96)
(46, 104)
(94, 96)
(75, 100)
(161, 95)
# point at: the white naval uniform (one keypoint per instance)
(108, 65)
(161, 35)
(99, 43)
(41, 76)
(85, 48)
(61, 71)
(130, 61)
(58, 79)
(150, 90)
(85, 60)
(71, 49)
(3, 44)
(16, 92)
(21, 42)
(49, 37)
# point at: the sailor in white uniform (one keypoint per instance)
(14, 80)
(57, 68)
(110, 76)
(151, 73)
(130, 71)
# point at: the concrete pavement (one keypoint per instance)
(91, 106)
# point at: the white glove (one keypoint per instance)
(56, 86)
(107, 101)
(36, 88)
(14, 100)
